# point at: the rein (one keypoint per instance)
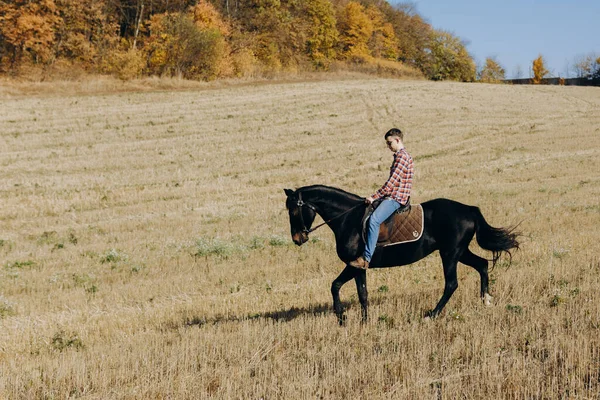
(302, 203)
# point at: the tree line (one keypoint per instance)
(211, 39)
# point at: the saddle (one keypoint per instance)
(403, 226)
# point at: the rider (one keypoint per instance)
(395, 193)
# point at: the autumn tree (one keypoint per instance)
(449, 59)
(208, 19)
(383, 42)
(27, 31)
(413, 35)
(356, 29)
(275, 32)
(130, 13)
(491, 72)
(177, 47)
(322, 34)
(539, 70)
(85, 32)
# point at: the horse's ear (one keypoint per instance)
(288, 192)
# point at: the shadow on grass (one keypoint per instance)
(279, 316)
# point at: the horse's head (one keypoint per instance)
(302, 215)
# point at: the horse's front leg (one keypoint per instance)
(361, 287)
(347, 274)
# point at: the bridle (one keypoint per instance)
(300, 203)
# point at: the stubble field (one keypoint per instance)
(145, 248)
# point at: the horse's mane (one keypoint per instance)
(330, 191)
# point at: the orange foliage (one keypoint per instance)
(206, 17)
(28, 28)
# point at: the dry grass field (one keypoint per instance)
(145, 250)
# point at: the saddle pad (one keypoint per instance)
(403, 227)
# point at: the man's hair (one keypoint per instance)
(394, 132)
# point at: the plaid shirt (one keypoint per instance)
(399, 183)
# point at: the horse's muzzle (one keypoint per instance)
(300, 238)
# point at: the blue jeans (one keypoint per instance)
(381, 213)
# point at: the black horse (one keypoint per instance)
(449, 227)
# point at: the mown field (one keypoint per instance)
(145, 250)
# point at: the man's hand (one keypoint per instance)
(369, 200)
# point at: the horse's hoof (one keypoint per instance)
(487, 299)
(342, 320)
(429, 316)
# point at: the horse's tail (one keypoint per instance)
(496, 240)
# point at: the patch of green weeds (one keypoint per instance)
(58, 246)
(383, 289)
(214, 247)
(257, 243)
(386, 320)
(455, 315)
(514, 309)
(49, 237)
(560, 253)
(62, 341)
(278, 241)
(20, 264)
(137, 268)
(7, 308)
(72, 238)
(112, 256)
(556, 300)
(87, 282)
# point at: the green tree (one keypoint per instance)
(449, 59)
(492, 72)
(413, 35)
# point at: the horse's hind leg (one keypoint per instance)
(481, 265)
(347, 274)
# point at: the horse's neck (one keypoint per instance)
(332, 205)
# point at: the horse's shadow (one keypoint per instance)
(287, 315)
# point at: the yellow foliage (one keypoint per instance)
(245, 63)
(177, 46)
(357, 31)
(539, 70)
(492, 72)
(125, 64)
(206, 17)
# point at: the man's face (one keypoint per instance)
(393, 143)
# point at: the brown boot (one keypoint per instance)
(360, 262)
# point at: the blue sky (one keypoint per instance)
(516, 32)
